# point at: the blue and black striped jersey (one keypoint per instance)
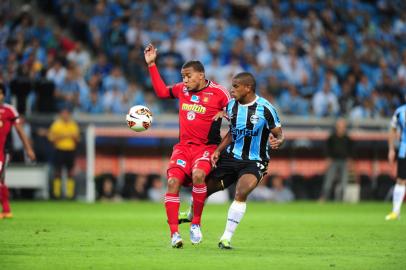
(399, 121)
(250, 126)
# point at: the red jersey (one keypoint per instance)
(8, 117)
(196, 109)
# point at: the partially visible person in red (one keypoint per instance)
(8, 119)
(201, 105)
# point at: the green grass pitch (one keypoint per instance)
(134, 235)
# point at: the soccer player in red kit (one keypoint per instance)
(8, 118)
(200, 103)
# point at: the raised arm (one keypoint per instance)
(161, 90)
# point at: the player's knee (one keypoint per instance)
(198, 177)
(173, 185)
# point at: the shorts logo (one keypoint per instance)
(254, 119)
(206, 154)
(181, 162)
(194, 99)
(191, 115)
(260, 166)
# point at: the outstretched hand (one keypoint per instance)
(150, 54)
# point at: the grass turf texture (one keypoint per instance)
(134, 235)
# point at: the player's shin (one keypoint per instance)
(4, 195)
(235, 214)
(398, 195)
(172, 203)
(199, 193)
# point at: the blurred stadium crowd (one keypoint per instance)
(310, 58)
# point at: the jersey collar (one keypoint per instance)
(251, 103)
(207, 85)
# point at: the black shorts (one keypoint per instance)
(229, 169)
(64, 159)
(402, 168)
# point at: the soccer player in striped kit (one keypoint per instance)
(200, 103)
(398, 121)
(243, 153)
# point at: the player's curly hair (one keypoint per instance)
(195, 64)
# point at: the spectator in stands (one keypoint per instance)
(80, 57)
(325, 103)
(310, 44)
(139, 189)
(102, 66)
(262, 192)
(292, 103)
(92, 103)
(108, 188)
(364, 88)
(68, 91)
(279, 192)
(115, 80)
(340, 149)
(57, 72)
(64, 134)
(363, 110)
(156, 192)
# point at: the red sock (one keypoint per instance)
(4, 198)
(172, 203)
(199, 193)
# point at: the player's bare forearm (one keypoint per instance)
(26, 143)
(276, 139)
(223, 144)
(392, 138)
(391, 145)
(227, 139)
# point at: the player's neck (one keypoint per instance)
(247, 100)
(203, 84)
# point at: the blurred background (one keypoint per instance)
(314, 60)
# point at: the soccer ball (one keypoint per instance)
(139, 118)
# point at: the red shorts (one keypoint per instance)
(187, 158)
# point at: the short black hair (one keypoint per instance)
(195, 64)
(246, 78)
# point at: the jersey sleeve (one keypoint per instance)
(272, 117)
(225, 97)
(160, 88)
(394, 121)
(14, 116)
(175, 90)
